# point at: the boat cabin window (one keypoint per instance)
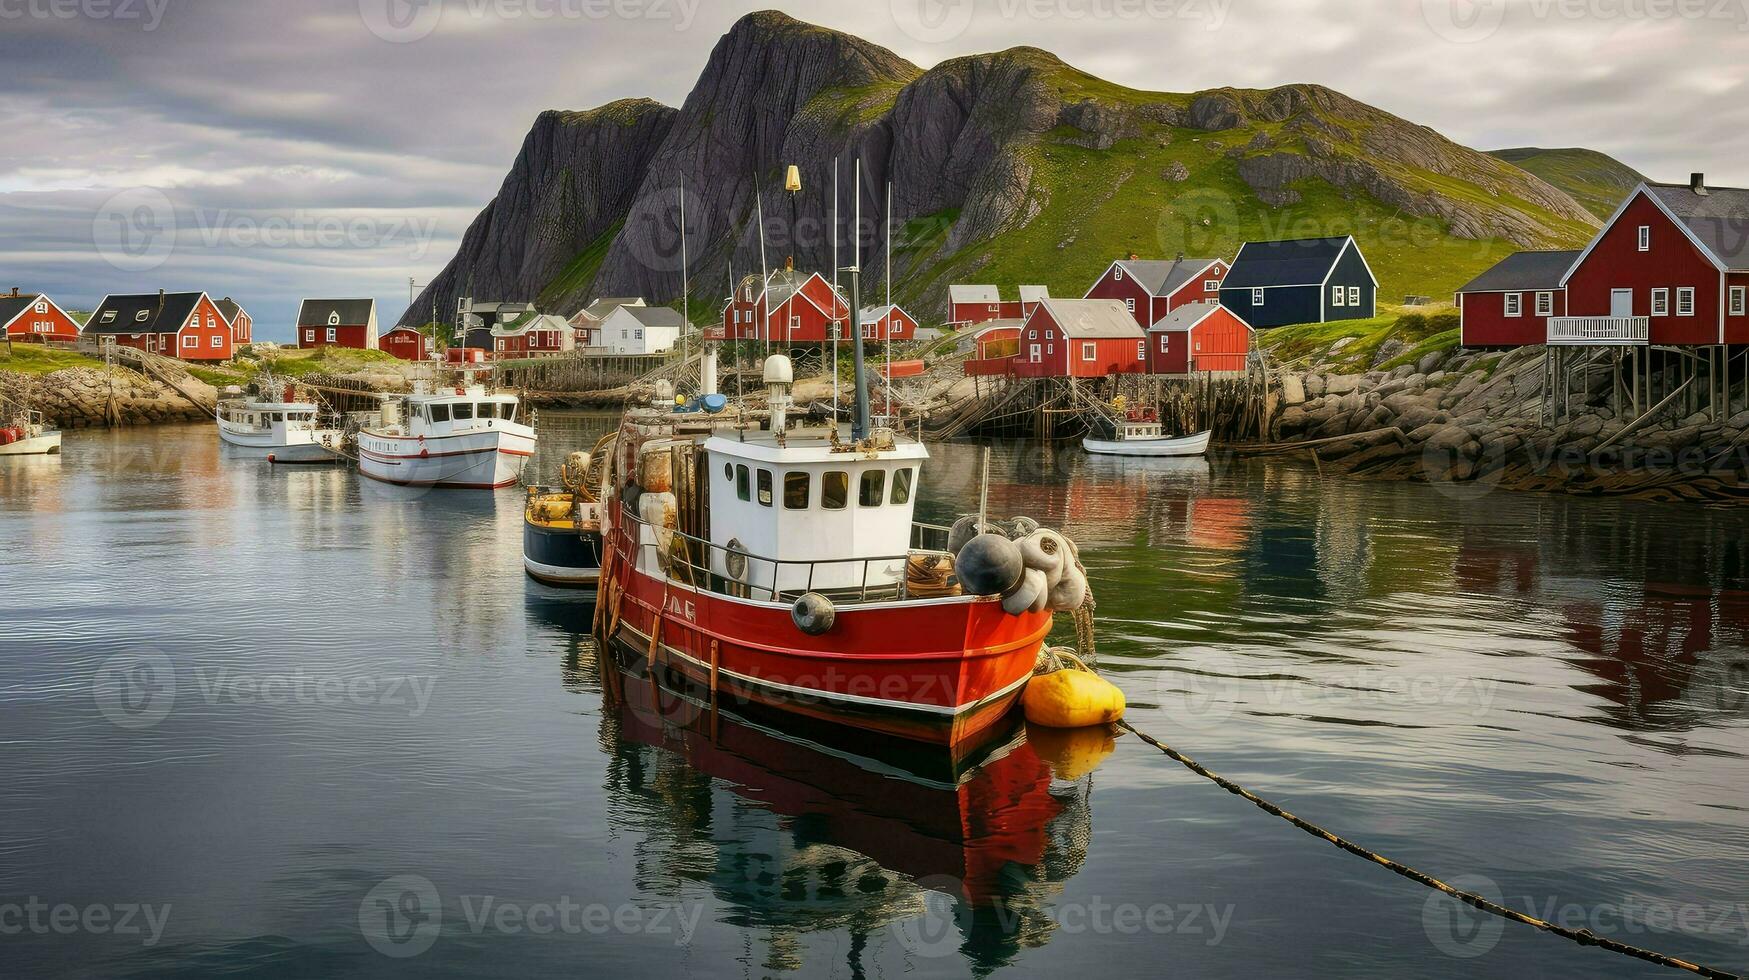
(796, 490)
(464, 410)
(742, 489)
(902, 485)
(835, 490)
(728, 471)
(765, 488)
(874, 485)
(439, 413)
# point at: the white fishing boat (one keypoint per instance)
(289, 431)
(27, 435)
(459, 437)
(1142, 435)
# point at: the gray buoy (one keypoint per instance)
(964, 530)
(989, 564)
(813, 614)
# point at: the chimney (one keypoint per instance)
(789, 263)
(1697, 184)
(15, 290)
(1180, 256)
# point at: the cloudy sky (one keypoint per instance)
(271, 149)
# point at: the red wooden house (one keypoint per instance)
(406, 343)
(1031, 297)
(338, 323)
(790, 308)
(1150, 289)
(1199, 338)
(1670, 267)
(533, 335)
(888, 323)
(33, 316)
(971, 305)
(184, 325)
(1080, 338)
(1511, 304)
(242, 324)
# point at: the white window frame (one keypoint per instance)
(1165, 343)
(334, 318)
(1545, 304)
(191, 341)
(141, 316)
(1514, 304)
(1117, 273)
(218, 341)
(1142, 349)
(1354, 296)
(1089, 351)
(1131, 304)
(1685, 301)
(42, 307)
(1739, 300)
(1660, 302)
(1257, 296)
(1338, 296)
(1645, 238)
(108, 316)
(333, 335)
(1211, 285)
(310, 335)
(795, 321)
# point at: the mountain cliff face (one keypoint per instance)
(1596, 180)
(1008, 167)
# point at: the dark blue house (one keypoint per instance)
(1306, 280)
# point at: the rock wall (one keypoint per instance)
(80, 398)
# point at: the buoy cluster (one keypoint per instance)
(1032, 568)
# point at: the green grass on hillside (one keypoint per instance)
(577, 276)
(37, 359)
(1596, 180)
(1423, 332)
(322, 360)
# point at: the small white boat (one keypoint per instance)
(1145, 438)
(28, 436)
(289, 430)
(458, 438)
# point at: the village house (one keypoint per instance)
(1150, 289)
(1080, 338)
(533, 335)
(1308, 280)
(407, 343)
(241, 323)
(638, 330)
(587, 321)
(791, 308)
(476, 318)
(35, 317)
(1199, 338)
(337, 323)
(1031, 297)
(882, 323)
(184, 325)
(1511, 304)
(969, 306)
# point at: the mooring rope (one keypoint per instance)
(1583, 937)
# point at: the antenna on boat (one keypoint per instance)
(859, 424)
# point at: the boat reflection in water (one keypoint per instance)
(797, 835)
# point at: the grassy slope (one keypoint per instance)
(36, 359)
(1595, 180)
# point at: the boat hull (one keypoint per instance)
(562, 558)
(484, 459)
(305, 454)
(1196, 445)
(43, 445)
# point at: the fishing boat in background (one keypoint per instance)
(290, 431)
(1139, 433)
(28, 435)
(460, 437)
(561, 528)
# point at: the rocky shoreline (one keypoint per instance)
(77, 398)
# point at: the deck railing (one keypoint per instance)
(1589, 330)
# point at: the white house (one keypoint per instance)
(640, 330)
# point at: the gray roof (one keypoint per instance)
(1296, 262)
(656, 316)
(315, 312)
(229, 308)
(1524, 270)
(973, 294)
(12, 306)
(1090, 319)
(1719, 218)
(1185, 317)
(599, 309)
(163, 313)
(1162, 277)
(1034, 294)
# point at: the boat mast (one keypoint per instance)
(685, 300)
(859, 426)
(887, 341)
(835, 294)
(764, 271)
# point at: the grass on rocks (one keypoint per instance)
(37, 359)
(1351, 346)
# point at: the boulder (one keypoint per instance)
(1429, 362)
(1315, 386)
(1293, 391)
(1341, 384)
(1451, 437)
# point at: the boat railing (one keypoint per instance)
(690, 561)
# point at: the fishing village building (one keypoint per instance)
(337, 323)
(476, 318)
(1199, 338)
(969, 306)
(407, 343)
(789, 308)
(1511, 304)
(35, 317)
(1308, 280)
(183, 325)
(587, 321)
(1080, 338)
(639, 330)
(881, 323)
(1150, 288)
(242, 324)
(533, 335)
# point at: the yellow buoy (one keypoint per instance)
(1073, 697)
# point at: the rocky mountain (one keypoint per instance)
(1598, 181)
(1007, 167)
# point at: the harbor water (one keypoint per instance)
(285, 722)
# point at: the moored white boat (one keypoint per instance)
(289, 430)
(453, 438)
(29, 436)
(1142, 436)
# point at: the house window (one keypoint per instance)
(1338, 296)
(1257, 297)
(309, 336)
(191, 341)
(500, 345)
(1141, 349)
(211, 324)
(638, 334)
(1117, 273)
(1738, 300)
(1545, 304)
(1660, 302)
(1211, 285)
(1514, 304)
(796, 488)
(1685, 301)
(1131, 303)
(765, 488)
(1645, 238)
(218, 342)
(42, 307)
(795, 321)
(1089, 351)
(1165, 344)
(140, 317)
(334, 319)
(1354, 296)
(108, 316)
(332, 334)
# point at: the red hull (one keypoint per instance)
(939, 671)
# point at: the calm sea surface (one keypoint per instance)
(277, 722)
